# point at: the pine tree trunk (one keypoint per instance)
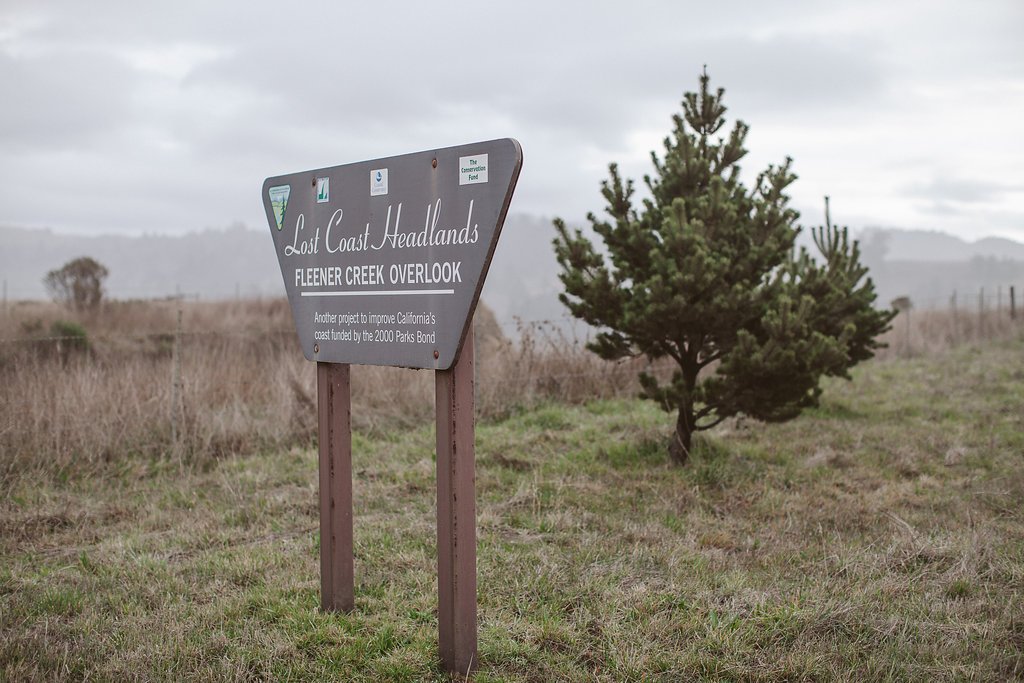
(682, 439)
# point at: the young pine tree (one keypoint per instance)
(705, 272)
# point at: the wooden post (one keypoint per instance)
(1013, 303)
(981, 313)
(335, 429)
(456, 514)
(956, 325)
(906, 333)
(176, 386)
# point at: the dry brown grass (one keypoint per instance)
(245, 385)
(924, 332)
(239, 391)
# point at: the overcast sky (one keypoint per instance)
(166, 117)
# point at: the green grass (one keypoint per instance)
(878, 537)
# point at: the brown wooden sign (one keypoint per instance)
(383, 262)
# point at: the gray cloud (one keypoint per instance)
(183, 108)
(946, 189)
(54, 101)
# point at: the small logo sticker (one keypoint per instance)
(378, 182)
(279, 202)
(473, 169)
(323, 190)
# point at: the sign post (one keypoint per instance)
(334, 424)
(456, 513)
(383, 263)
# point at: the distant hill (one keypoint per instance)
(523, 281)
(930, 267)
(236, 261)
(933, 246)
(213, 264)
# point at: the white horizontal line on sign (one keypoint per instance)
(386, 292)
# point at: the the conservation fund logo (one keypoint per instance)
(473, 170)
(378, 182)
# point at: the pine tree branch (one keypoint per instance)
(672, 351)
(715, 423)
(709, 359)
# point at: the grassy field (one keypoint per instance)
(879, 537)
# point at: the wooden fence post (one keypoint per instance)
(1013, 303)
(176, 389)
(335, 429)
(906, 332)
(456, 513)
(956, 324)
(981, 313)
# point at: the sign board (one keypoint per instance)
(383, 261)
